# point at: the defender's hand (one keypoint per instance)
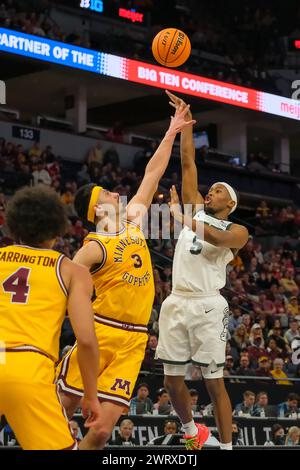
(178, 121)
(176, 102)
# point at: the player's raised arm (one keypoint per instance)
(156, 167)
(80, 288)
(189, 192)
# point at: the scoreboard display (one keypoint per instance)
(104, 7)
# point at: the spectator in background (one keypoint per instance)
(280, 341)
(244, 369)
(53, 169)
(234, 319)
(264, 308)
(194, 400)
(263, 210)
(277, 436)
(257, 345)
(278, 372)
(246, 320)
(125, 435)
(264, 366)
(262, 408)
(264, 329)
(150, 363)
(75, 430)
(292, 333)
(41, 175)
(289, 408)
(68, 197)
(288, 283)
(95, 155)
(171, 427)
(237, 439)
(247, 406)
(273, 350)
(34, 153)
(293, 307)
(240, 339)
(229, 366)
(293, 436)
(163, 405)
(141, 404)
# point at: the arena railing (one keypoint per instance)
(234, 377)
(10, 112)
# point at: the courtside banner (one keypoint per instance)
(36, 47)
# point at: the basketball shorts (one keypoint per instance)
(121, 355)
(30, 402)
(193, 329)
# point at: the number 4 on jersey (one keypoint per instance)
(17, 285)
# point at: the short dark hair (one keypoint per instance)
(82, 200)
(143, 384)
(276, 428)
(193, 392)
(35, 215)
(161, 391)
(261, 394)
(152, 333)
(293, 396)
(172, 421)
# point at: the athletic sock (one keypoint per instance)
(190, 429)
(227, 446)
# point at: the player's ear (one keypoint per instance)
(231, 205)
(99, 210)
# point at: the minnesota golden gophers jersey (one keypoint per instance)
(124, 279)
(33, 299)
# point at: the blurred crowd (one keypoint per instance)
(283, 221)
(263, 285)
(239, 45)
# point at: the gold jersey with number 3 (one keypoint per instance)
(124, 279)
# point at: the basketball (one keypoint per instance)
(171, 47)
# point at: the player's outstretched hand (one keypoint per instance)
(92, 412)
(175, 206)
(176, 102)
(178, 121)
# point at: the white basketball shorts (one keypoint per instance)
(193, 328)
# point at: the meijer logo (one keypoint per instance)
(2, 92)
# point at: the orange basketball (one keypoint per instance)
(171, 47)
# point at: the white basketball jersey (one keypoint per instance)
(199, 266)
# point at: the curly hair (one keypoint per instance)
(35, 215)
(82, 200)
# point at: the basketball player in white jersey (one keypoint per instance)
(194, 318)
